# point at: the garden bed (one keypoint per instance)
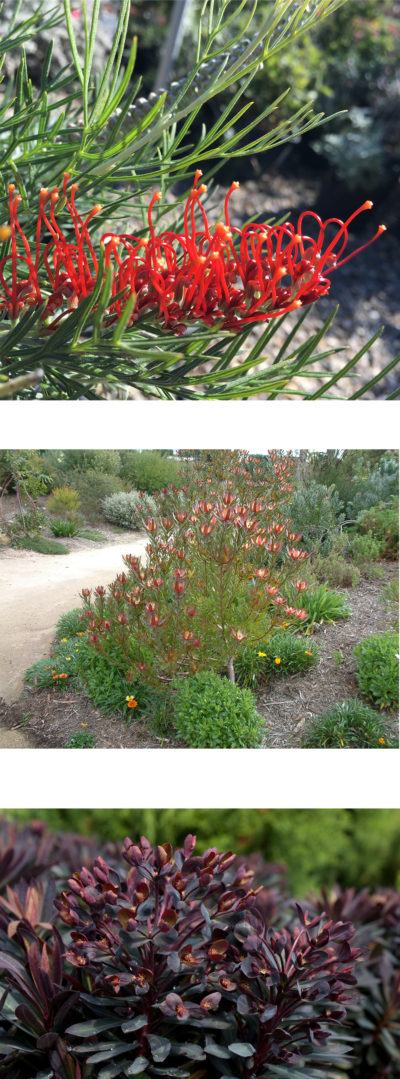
(47, 718)
(287, 705)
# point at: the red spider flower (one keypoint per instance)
(222, 276)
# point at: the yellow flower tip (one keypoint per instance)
(382, 228)
(97, 207)
(297, 303)
(278, 660)
(368, 205)
(308, 653)
(64, 639)
(382, 742)
(262, 654)
(83, 724)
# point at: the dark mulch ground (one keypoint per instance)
(47, 719)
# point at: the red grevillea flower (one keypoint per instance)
(222, 276)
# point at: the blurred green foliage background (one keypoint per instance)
(321, 847)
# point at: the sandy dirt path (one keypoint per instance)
(36, 589)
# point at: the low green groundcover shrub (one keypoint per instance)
(127, 508)
(282, 654)
(58, 669)
(39, 544)
(212, 712)
(348, 725)
(81, 740)
(70, 624)
(377, 670)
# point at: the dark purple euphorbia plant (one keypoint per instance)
(169, 969)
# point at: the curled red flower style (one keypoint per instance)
(222, 276)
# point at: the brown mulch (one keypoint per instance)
(288, 705)
(47, 719)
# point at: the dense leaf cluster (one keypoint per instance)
(162, 966)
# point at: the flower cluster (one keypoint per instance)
(221, 276)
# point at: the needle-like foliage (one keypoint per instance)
(117, 147)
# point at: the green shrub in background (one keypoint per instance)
(335, 571)
(127, 509)
(26, 470)
(149, 470)
(365, 548)
(316, 512)
(93, 487)
(383, 523)
(106, 461)
(360, 846)
(377, 670)
(349, 725)
(212, 712)
(282, 654)
(63, 502)
(26, 522)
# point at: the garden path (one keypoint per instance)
(36, 589)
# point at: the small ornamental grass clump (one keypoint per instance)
(211, 712)
(321, 604)
(377, 670)
(62, 527)
(348, 725)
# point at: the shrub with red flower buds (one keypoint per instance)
(218, 582)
